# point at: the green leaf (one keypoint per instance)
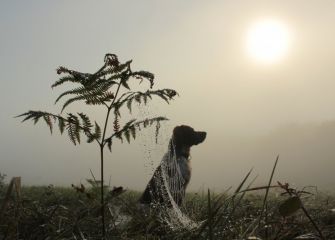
(77, 132)
(95, 93)
(71, 130)
(162, 96)
(97, 129)
(145, 75)
(129, 123)
(133, 132)
(124, 83)
(129, 102)
(109, 144)
(77, 91)
(36, 119)
(90, 138)
(127, 135)
(117, 111)
(61, 125)
(119, 136)
(48, 121)
(62, 80)
(290, 206)
(86, 121)
(71, 100)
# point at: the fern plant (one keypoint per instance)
(109, 86)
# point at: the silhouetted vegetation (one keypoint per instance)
(108, 87)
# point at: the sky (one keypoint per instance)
(251, 111)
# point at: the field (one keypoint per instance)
(48, 212)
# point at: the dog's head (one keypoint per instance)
(184, 137)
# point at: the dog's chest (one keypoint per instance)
(185, 169)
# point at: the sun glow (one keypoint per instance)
(267, 41)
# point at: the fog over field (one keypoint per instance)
(252, 112)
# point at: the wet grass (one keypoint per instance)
(48, 212)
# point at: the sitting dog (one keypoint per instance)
(172, 176)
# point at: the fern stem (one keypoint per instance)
(102, 145)
(105, 127)
(116, 93)
(102, 192)
(107, 116)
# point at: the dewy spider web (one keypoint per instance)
(168, 178)
(169, 187)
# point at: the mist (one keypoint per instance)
(251, 112)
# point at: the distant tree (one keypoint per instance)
(108, 87)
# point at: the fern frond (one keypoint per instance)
(117, 111)
(111, 60)
(74, 128)
(99, 100)
(31, 115)
(145, 75)
(127, 135)
(116, 69)
(71, 130)
(71, 123)
(86, 122)
(98, 88)
(64, 79)
(129, 105)
(72, 100)
(96, 135)
(97, 132)
(117, 135)
(129, 123)
(128, 98)
(79, 90)
(130, 128)
(133, 132)
(48, 121)
(79, 76)
(37, 115)
(96, 94)
(124, 80)
(95, 97)
(109, 144)
(116, 125)
(61, 125)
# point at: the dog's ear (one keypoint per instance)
(182, 135)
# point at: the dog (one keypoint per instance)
(172, 176)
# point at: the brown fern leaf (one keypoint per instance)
(116, 124)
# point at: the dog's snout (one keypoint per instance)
(201, 136)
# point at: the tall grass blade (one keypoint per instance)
(267, 193)
(210, 220)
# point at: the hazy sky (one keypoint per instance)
(251, 111)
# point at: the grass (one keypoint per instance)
(48, 212)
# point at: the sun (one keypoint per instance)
(267, 41)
